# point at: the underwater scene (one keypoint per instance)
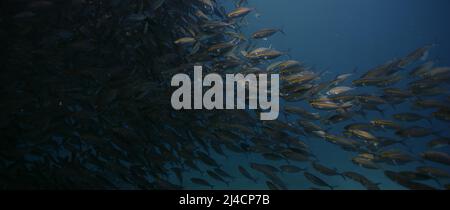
(88, 89)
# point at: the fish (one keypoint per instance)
(447, 186)
(408, 117)
(369, 82)
(385, 142)
(272, 186)
(291, 169)
(345, 143)
(396, 157)
(330, 105)
(201, 182)
(416, 55)
(214, 25)
(337, 118)
(417, 176)
(339, 90)
(415, 132)
(272, 156)
(264, 168)
(439, 143)
(309, 127)
(302, 112)
(422, 69)
(438, 157)
(185, 40)
(359, 126)
(246, 174)
(263, 54)
(433, 171)
(300, 77)
(266, 32)
(369, 185)
(399, 93)
(385, 124)
(222, 173)
(365, 162)
(285, 66)
(295, 156)
(239, 12)
(437, 71)
(429, 103)
(363, 135)
(221, 48)
(205, 158)
(406, 182)
(317, 181)
(325, 170)
(276, 180)
(442, 114)
(215, 176)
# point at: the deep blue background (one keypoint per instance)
(352, 33)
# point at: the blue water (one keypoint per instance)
(339, 36)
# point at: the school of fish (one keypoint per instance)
(86, 103)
